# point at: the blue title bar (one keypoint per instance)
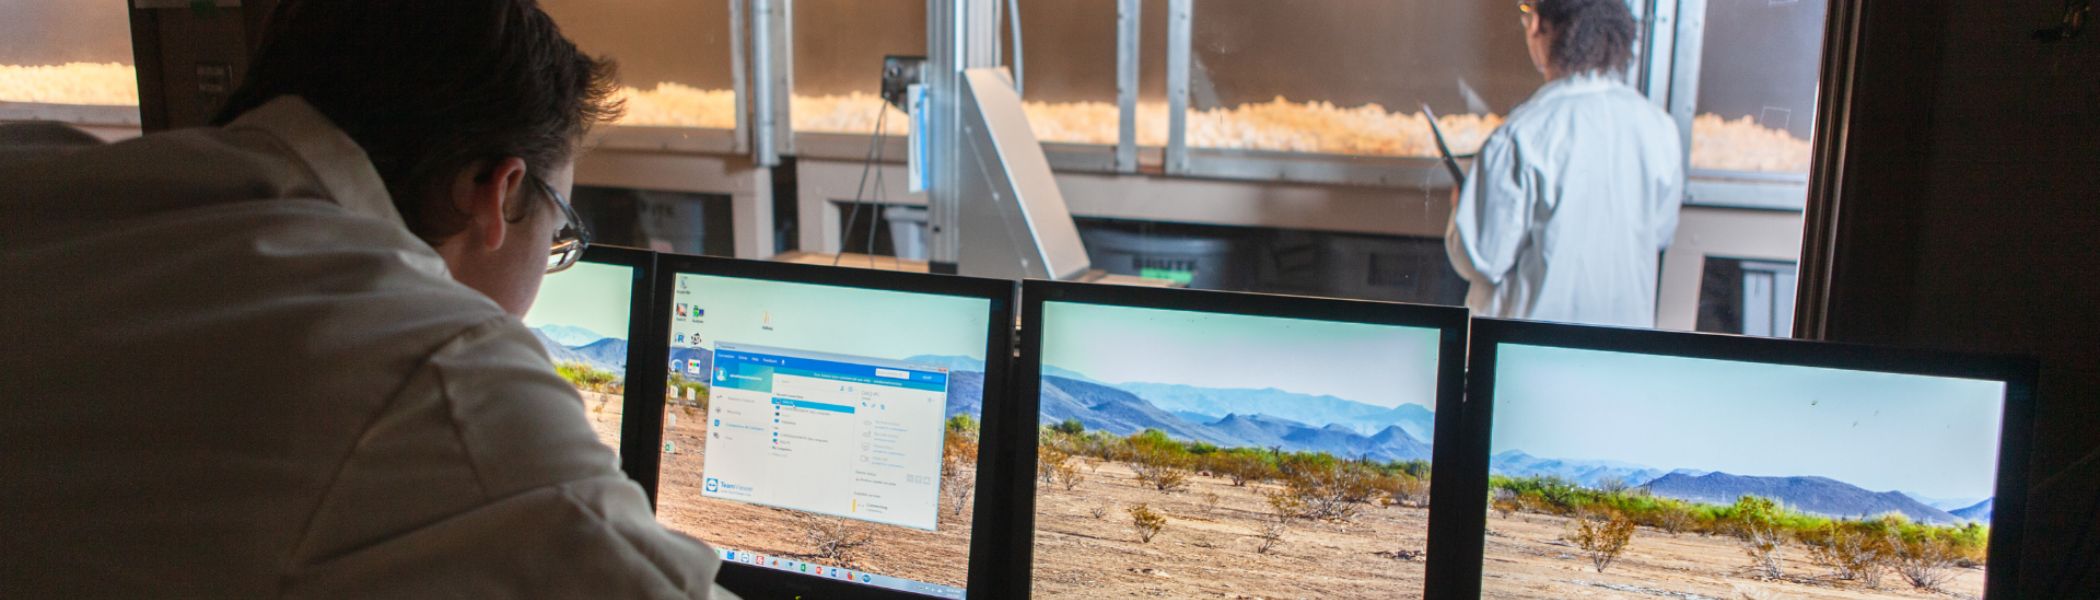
(840, 408)
(899, 377)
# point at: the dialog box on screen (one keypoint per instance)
(839, 435)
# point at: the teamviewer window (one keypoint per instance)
(831, 434)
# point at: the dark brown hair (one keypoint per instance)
(1588, 35)
(431, 88)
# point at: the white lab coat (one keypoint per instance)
(1565, 212)
(233, 373)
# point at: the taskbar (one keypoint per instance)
(782, 563)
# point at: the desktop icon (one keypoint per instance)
(680, 338)
(681, 311)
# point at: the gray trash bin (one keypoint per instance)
(908, 230)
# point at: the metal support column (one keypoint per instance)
(1659, 58)
(1684, 73)
(766, 16)
(960, 35)
(740, 76)
(1127, 47)
(1180, 23)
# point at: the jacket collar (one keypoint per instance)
(1581, 83)
(336, 162)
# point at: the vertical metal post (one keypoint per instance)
(1660, 56)
(1684, 75)
(960, 34)
(1127, 47)
(739, 73)
(146, 54)
(765, 152)
(782, 70)
(1180, 22)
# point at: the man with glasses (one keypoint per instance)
(282, 356)
(1566, 211)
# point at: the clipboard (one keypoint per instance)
(1450, 162)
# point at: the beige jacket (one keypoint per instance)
(231, 372)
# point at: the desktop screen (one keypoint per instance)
(1194, 454)
(826, 431)
(1614, 472)
(580, 317)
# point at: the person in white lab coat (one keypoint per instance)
(282, 357)
(1565, 212)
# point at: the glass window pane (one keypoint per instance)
(72, 53)
(839, 46)
(1349, 76)
(1757, 85)
(674, 57)
(1070, 76)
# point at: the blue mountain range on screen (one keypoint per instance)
(571, 344)
(1806, 493)
(1227, 417)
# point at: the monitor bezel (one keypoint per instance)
(990, 510)
(1449, 321)
(643, 387)
(1455, 557)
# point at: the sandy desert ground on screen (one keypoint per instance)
(604, 411)
(1209, 552)
(1526, 558)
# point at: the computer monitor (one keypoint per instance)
(1207, 444)
(1691, 465)
(822, 425)
(584, 317)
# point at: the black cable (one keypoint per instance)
(878, 217)
(860, 189)
(882, 198)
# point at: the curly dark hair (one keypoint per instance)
(1588, 35)
(428, 89)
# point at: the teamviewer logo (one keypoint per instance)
(713, 485)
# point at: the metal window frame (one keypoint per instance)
(1180, 34)
(1129, 36)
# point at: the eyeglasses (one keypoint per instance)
(571, 239)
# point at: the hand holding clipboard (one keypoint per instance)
(1458, 175)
